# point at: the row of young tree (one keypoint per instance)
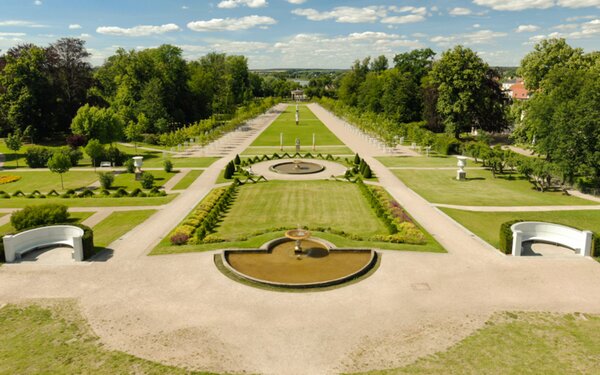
(43, 90)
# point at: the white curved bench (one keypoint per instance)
(18, 244)
(580, 241)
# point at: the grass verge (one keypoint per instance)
(519, 343)
(188, 179)
(117, 224)
(74, 217)
(481, 189)
(55, 339)
(89, 202)
(487, 224)
(45, 181)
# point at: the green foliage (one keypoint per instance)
(59, 163)
(468, 93)
(357, 159)
(130, 166)
(98, 123)
(37, 156)
(95, 151)
(106, 179)
(14, 142)
(33, 216)
(168, 165)
(506, 236)
(237, 161)
(229, 170)
(147, 180)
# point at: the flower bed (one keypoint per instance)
(8, 179)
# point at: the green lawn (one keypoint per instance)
(422, 161)
(127, 180)
(286, 204)
(89, 202)
(269, 150)
(74, 217)
(480, 189)
(188, 179)
(487, 224)
(45, 181)
(117, 224)
(519, 343)
(155, 159)
(286, 124)
(56, 339)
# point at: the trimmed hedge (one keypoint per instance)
(506, 237)
(41, 215)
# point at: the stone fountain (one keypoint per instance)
(298, 235)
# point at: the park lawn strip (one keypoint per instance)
(487, 224)
(333, 150)
(90, 202)
(286, 124)
(481, 189)
(74, 217)
(519, 343)
(188, 179)
(117, 224)
(165, 246)
(421, 161)
(332, 204)
(45, 181)
(127, 180)
(155, 159)
(55, 339)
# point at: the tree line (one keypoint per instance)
(50, 91)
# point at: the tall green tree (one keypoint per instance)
(417, 62)
(26, 98)
(95, 151)
(59, 163)
(469, 94)
(546, 55)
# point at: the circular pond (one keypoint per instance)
(297, 167)
(317, 266)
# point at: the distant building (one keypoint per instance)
(298, 95)
(518, 91)
(507, 84)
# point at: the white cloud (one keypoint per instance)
(185, 7)
(460, 11)
(85, 36)
(74, 26)
(297, 2)
(409, 14)
(20, 23)
(477, 37)
(141, 30)
(38, 2)
(527, 28)
(410, 18)
(536, 4)
(577, 18)
(4, 35)
(231, 24)
(587, 30)
(476, 26)
(229, 4)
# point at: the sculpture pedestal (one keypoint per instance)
(461, 175)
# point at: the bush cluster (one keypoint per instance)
(34, 216)
(86, 193)
(229, 170)
(168, 165)
(147, 180)
(360, 166)
(204, 218)
(38, 156)
(276, 156)
(106, 179)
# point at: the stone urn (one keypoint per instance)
(461, 174)
(137, 163)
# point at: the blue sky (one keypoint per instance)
(303, 33)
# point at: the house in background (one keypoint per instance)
(515, 89)
(298, 95)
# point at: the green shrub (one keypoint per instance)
(147, 180)
(37, 156)
(86, 193)
(33, 216)
(151, 139)
(237, 160)
(114, 155)
(88, 241)
(356, 159)
(168, 165)
(130, 166)
(506, 236)
(106, 179)
(120, 193)
(74, 154)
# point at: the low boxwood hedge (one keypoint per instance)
(506, 237)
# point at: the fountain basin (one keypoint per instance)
(297, 167)
(319, 265)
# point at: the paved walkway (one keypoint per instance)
(180, 310)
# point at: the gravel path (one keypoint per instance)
(179, 309)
